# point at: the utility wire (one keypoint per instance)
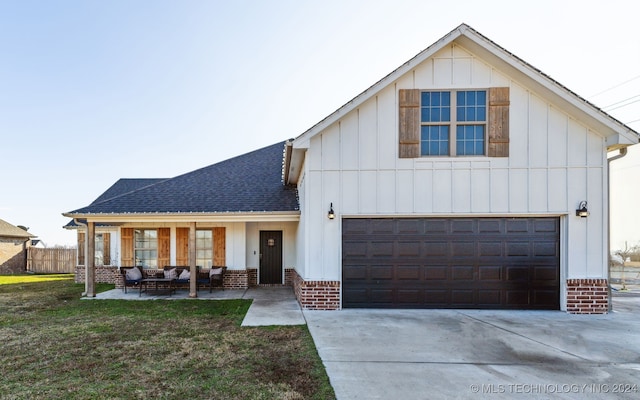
(616, 86)
(624, 105)
(621, 101)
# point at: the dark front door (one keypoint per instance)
(270, 257)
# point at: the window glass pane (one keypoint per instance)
(435, 107)
(471, 105)
(434, 140)
(470, 140)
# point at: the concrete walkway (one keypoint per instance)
(275, 305)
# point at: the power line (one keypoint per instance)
(624, 105)
(621, 101)
(616, 86)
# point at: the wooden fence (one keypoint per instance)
(51, 261)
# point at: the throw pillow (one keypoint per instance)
(215, 271)
(170, 274)
(133, 274)
(185, 274)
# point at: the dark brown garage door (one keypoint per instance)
(500, 263)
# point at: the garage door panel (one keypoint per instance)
(518, 249)
(517, 226)
(487, 226)
(436, 249)
(508, 263)
(408, 249)
(489, 298)
(490, 249)
(437, 272)
(545, 273)
(463, 226)
(409, 297)
(517, 273)
(517, 297)
(408, 272)
(462, 298)
(382, 295)
(490, 273)
(463, 249)
(381, 272)
(545, 249)
(355, 273)
(436, 296)
(353, 249)
(462, 273)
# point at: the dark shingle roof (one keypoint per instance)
(251, 182)
(126, 185)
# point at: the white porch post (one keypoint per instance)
(89, 261)
(193, 284)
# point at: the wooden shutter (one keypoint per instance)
(164, 247)
(81, 248)
(182, 246)
(126, 244)
(498, 122)
(219, 247)
(409, 128)
(106, 253)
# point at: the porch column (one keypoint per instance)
(90, 260)
(193, 284)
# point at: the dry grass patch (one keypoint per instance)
(58, 346)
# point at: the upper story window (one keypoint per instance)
(453, 123)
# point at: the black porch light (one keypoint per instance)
(331, 214)
(582, 211)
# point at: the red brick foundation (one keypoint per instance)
(316, 295)
(106, 274)
(233, 279)
(587, 296)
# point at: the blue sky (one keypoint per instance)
(92, 91)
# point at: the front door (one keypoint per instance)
(270, 257)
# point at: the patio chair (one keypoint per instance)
(202, 278)
(131, 276)
(216, 277)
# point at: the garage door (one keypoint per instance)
(497, 263)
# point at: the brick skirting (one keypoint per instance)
(105, 274)
(233, 279)
(587, 296)
(316, 295)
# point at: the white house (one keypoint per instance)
(466, 178)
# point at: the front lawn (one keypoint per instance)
(55, 345)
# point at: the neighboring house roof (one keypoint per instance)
(248, 183)
(8, 230)
(617, 134)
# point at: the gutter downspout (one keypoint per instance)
(86, 251)
(622, 153)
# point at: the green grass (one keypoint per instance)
(55, 345)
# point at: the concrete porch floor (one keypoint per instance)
(273, 305)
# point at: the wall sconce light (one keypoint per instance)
(582, 211)
(331, 214)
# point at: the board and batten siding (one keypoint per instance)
(554, 162)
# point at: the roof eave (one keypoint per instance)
(246, 216)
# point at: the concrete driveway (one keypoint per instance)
(445, 354)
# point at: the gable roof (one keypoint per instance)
(618, 134)
(8, 230)
(249, 183)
